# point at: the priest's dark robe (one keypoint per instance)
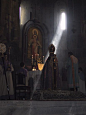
(50, 75)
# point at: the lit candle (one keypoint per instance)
(43, 59)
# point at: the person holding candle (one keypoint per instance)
(50, 75)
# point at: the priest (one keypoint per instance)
(6, 82)
(72, 70)
(50, 74)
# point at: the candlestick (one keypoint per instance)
(43, 59)
(38, 56)
(35, 56)
(9, 50)
(32, 59)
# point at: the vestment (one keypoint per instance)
(72, 70)
(50, 74)
(5, 87)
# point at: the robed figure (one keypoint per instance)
(50, 74)
(6, 82)
(72, 70)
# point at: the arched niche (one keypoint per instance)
(35, 42)
(28, 37)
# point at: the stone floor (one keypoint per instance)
(46, 102)
(14, 107)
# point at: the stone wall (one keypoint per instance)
(76, 41)
(10, 29)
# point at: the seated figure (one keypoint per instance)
(50, 74)
(22, 69)
(81, 80)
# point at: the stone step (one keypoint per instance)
(42, 107)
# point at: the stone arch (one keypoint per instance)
(44, 33)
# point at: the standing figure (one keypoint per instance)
(6, 82)
(81, 81)
(72, 70)
(50, 74)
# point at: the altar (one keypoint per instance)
(35, 75)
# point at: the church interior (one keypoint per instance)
(19, 17)
(27, 29)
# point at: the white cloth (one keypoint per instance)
(36, 78)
